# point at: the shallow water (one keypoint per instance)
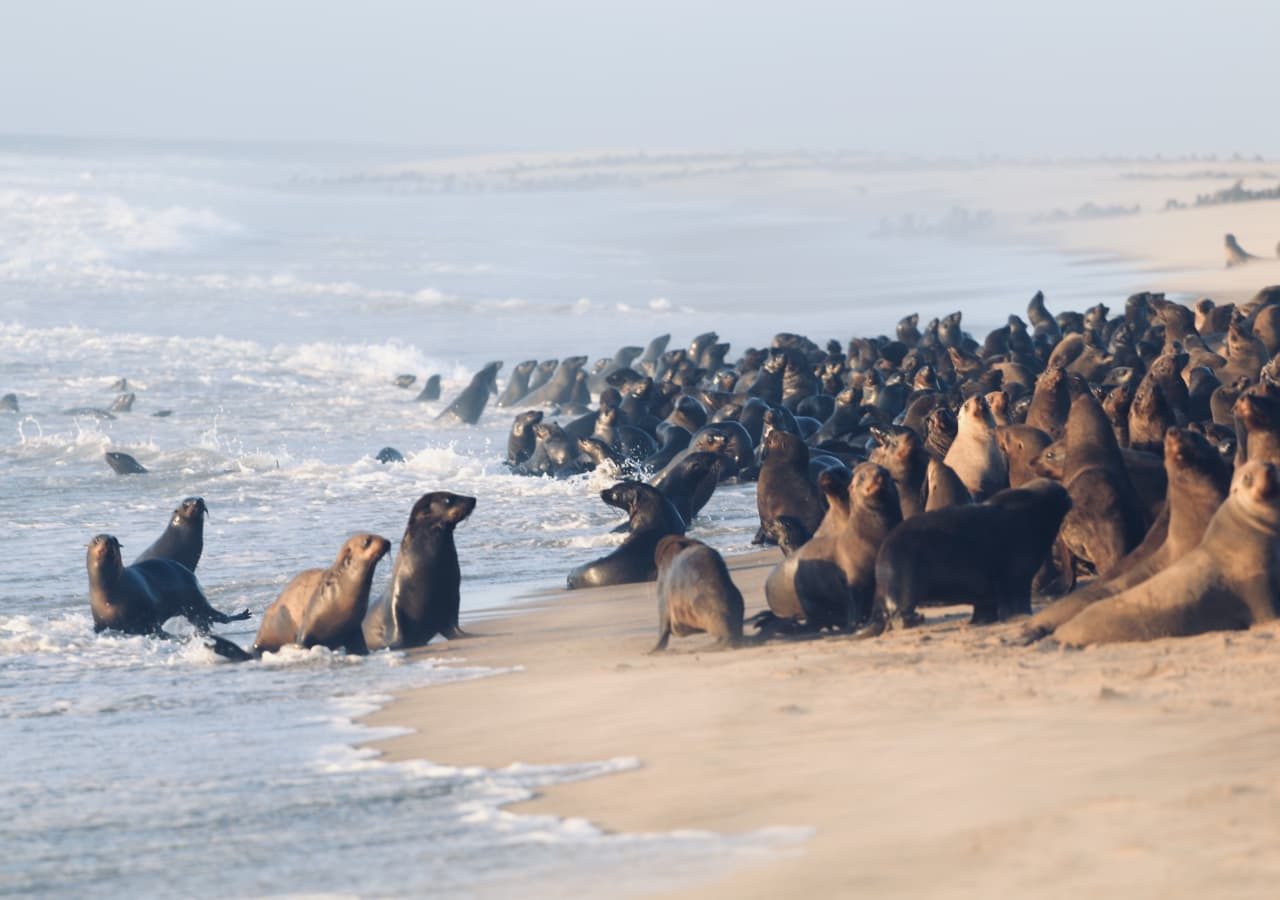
(268, 298)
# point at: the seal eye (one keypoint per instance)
(367, 540)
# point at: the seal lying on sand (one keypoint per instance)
(695, 593)
(423, 597)
(183, 539)
(1231, 580)
(140, 598)
(325, 607)
(985, 554)
(651, 518)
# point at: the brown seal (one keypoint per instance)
(695, 593)
(1198, 484)
(325, 607)
(1231, 580)
(140, 598)
(975, 454)
(183, 539)
(1021, 444)
(1051, 403)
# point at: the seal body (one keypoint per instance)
(784, 487)
(124, 464)
(325, 607)
(140, 598)
(469, 404)
(695, 593)
(985, 554)
(183, 539)
(424, 595)
(651, 517)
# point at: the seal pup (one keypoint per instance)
(430, 391)
(140, 598)
(423, 597)
(325, 607)
(124, 464)
(1198, 484)
(1230, 581)
(695, 593)
(985, 554)
(469, 404)
(183, 538)
(651, 517)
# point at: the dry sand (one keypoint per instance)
(938, 762)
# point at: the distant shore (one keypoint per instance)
(937, 762)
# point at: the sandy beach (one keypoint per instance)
(941, 761)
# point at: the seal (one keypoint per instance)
(695, 593)
(521, 441)
(1106, 519)
(518, 384)
(404, 381)
(389, 455)
(468, 405)
(1198, 484)
(140, 598)
(423, 597)
(559, 387)
(430, 390)
(1051, 403)
(901, 452)
(9, 403)
(1236, 255)
(124, 403)
(943, 488)
(1231, 580)
(985, 554)
(124, 464)
(1021, 444)
(784, 487)
(689, 483)
(183, 538)
(975, 453)
(651, 517)
(325, 607)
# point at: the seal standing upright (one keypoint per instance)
(695, 593)
(423, 598)
(468, 405)
(183, 539)
(651, 517)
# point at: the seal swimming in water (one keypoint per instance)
(389, 455)
(695, 593)
(423, 597)
(325, 607)
(518, 384)
(124, 464)
(1230, 581)
(651, 517)
(430, 390)
(183, 538)
(469, 404)
(140, 598)
(1236, 255)
(985, 554)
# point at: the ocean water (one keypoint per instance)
(267, 296)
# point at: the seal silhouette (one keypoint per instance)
(140, 598)
(469, 404)
(183, 538)
(423, 597)
(695, 593)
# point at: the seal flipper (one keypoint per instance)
(227, 649)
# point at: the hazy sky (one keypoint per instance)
(963, 77)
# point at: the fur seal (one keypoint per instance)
(521, 441)
(1236, 255)
(784, 487)
(690, 482)
(9, 403)
(389, 455)
(695, 593)
(1231, 580)
(469, 404)
(423, 597)
(651, 517)
(124, 403)
(985, 554)
(1021, 444)
(943, 488)
(325, 607)
(518, 384)
(140, 598)
(975, 453)
(559, 387)
(124, 464)
(404, 381)
(901, 452)
(1198, 484)
(183, 539)
(430, 391)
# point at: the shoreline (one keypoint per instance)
(915, 758)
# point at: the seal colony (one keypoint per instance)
(1120, 471)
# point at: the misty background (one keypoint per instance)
(985, 77)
